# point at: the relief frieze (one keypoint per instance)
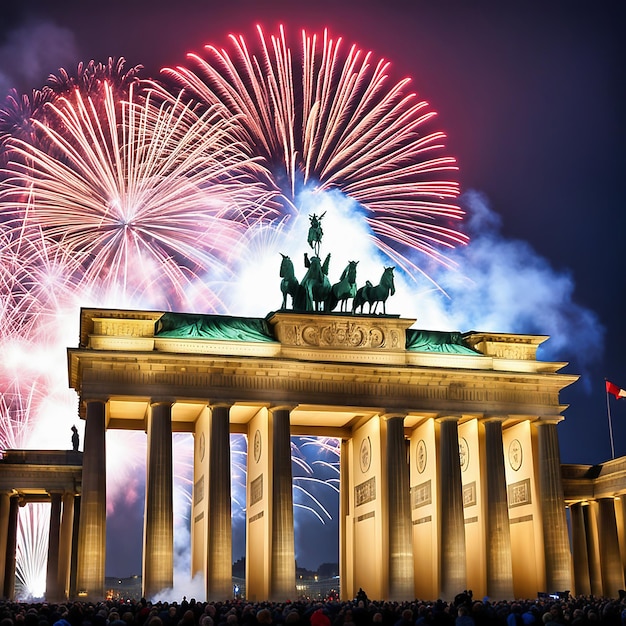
(340, 334)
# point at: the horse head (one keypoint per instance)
(286, 266)
(387, 279)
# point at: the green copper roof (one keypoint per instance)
(436, 341)
(191, 325)
(226, 328)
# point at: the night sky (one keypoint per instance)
(531, 96)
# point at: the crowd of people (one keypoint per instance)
(463, 611)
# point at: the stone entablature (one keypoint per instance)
(347, 360)
(590, 482)
(34, 474)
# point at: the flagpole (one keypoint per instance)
(608, 411)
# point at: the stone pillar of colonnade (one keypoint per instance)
(610, 560)
(8, 587)
(5, 505)
(283, 554)
(65, 545)
(158, 534)
(498, 534)
(53, 594)
(582, 585)
(219, 574)
(620, 513)
(346, 573)
(92, 527)
(400, 583)
(453, 569)
(74, 549)
(558, 559)
(270, 548)
(590, 517)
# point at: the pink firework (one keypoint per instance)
(139, 194)
(335, 119)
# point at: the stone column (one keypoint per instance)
(610, 560)
(590, 517)
(52, 590)
(346, 557)
(74, 551)
(92, 529)
(5, 506)
(453, 567)
(282, 555)
(499, 562)
(220, 552)
(65, 546)
(401, 583)
(158, 534)
(8, 590)
(555, 536)
(582, 585)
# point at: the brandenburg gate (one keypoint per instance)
(450, 468)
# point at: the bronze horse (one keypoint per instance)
(345, 288)
(373, 294)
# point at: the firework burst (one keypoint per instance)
(336, 120)
(149, 192)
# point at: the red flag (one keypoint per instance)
(618, 392)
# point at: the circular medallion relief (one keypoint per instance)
(463, 453)
(202, 446)
(515, 454)
(256, 444)
(365, 454)
(420, 455)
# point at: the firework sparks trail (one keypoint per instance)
(32, 551)
(148, 191)
(335, 120)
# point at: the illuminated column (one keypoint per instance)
(499, 563)
(158, 534)
(452, 539)
(582, 586)
(73, 588)
(346, 560)
(283, 556)
(590, 517)
(401, 586)
(65, 546)
(219, 544)
(555, 536)
(5, 505)
(52, 589)
(621, 528)
(8, 590)
(92, 529)
(610, 560)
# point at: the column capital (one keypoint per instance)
(227, 404)
(448, 418)
(155, 401)
(544, 420)
(485, 419)
(88, 399)
(389, 415)
(281, 407)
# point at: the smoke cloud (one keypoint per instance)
(33, 51)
